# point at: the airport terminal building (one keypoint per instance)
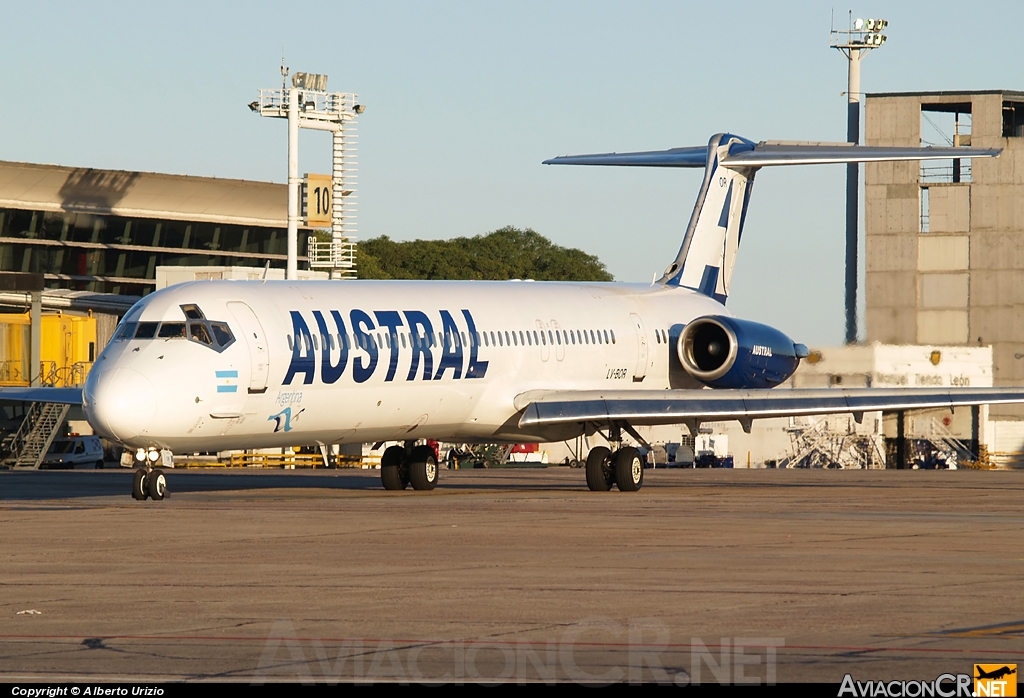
(106, 231)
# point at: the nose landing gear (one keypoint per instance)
(151, 484)
(148, 481)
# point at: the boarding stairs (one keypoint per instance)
(815, 444)
(943, 440)
(43, 421)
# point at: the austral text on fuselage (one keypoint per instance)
(408, 331)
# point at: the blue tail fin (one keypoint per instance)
(708, 254)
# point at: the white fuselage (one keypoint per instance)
(270, 384)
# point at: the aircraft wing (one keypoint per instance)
(648, 407)
(68, 396)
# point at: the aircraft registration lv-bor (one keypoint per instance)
(217, 365)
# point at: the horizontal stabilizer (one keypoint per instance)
(674, 406)
(66, 396)
(694, 156)
(764, 154)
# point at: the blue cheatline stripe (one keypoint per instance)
(227, 388)
(227, 374)
(723, 220)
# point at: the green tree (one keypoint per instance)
(508, 253)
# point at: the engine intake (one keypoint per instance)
(724, 352)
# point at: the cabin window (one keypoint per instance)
(290, 343)
(500, 343)
(605, 336)
(508, 341)
(613, 336)
(572, 337)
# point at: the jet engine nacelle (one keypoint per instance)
(724, 352)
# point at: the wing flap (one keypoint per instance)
(643, 407)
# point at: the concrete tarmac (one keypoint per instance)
(515, 575)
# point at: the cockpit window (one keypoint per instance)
(216, 335)
(126, 331)
(147, 330)
(192, 312)
(172, 330)
(197, 332)
(222, 333)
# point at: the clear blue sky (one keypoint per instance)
(465, 99)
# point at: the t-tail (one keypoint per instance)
(707, 257)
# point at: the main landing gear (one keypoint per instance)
(624, 468)
(401, 466)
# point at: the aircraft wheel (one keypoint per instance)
(629, 469)
(156, 485)
(394, 473)
(139, 490)
(99, 465)
(423, 468)
(600, 474)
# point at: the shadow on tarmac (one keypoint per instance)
(73, 484)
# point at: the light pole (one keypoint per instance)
(307, 104)
(854, 43)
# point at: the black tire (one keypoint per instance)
(156, 485)
(394, 473)
(600, 474)
(139, 490)
(99, 465)
(423, 469)
(629, 469)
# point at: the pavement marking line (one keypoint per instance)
(484, 641)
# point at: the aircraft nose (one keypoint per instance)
(120, 403)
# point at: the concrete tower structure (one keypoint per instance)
(945, 241)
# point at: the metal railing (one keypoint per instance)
(944, 174)
(332, 254)
(290, 461)
(51, 374)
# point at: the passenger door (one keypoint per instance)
(259, 355)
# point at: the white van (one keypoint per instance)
(73, 451)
